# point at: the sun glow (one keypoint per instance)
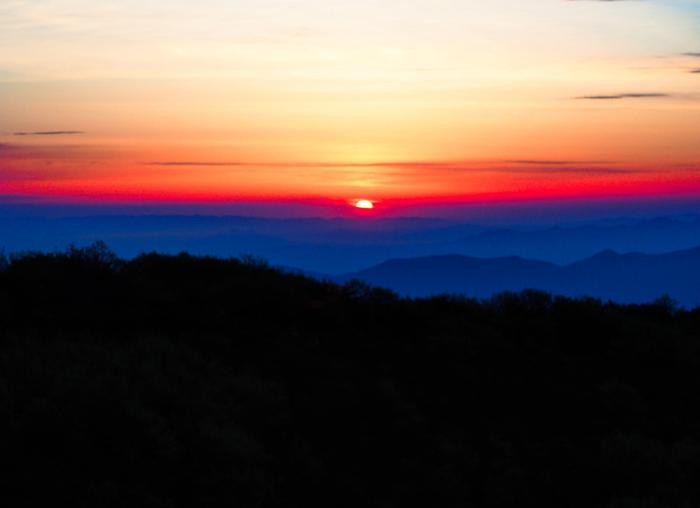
(172, 104)
(364, 204)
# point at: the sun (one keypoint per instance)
(364, 204)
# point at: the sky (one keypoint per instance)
(406, 103)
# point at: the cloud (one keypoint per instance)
(524, 166)
(694, 55)
(695, 71)
(201, 164)
(54, 152)
(273, 164)
(533, 166)
(48, 133)
(547, 162)
(8, 148)
(624, 96)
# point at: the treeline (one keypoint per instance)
(176, 381)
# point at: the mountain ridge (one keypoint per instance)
(339, 246)
(631, 277)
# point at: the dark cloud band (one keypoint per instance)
(48, 133)
(624, 96)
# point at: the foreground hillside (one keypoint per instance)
(182, 382)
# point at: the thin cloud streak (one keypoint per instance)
(48, 133)
(624, 96)
(544, 162)
(513, 166)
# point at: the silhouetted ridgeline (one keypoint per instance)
(623, 278)
(196, 382)
(339, 246)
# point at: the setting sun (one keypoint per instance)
(364, 204)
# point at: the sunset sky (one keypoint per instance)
(327, 100)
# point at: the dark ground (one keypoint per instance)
(195, 382)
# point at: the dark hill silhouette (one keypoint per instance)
(625, 278)
(177, 381)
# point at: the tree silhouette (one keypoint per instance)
(182, 381)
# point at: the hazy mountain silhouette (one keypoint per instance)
(338, 246)
(626, 278)
(568, 243)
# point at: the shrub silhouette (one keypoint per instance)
(177, 381)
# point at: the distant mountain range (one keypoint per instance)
(336, 246)
(427, 256)
(624, 278)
